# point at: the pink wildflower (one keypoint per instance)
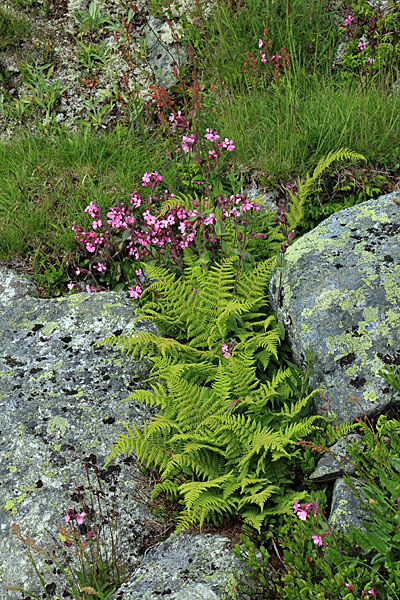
(211, 135)
(348, 585)
(317, 539)
(100, 267)
(227, 145)
(187, 142)
(79, 518)
(361, 46)
(92, 210)
(302, 514)
(225, 350)
(135, 293)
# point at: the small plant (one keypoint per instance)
(93, 57)
(52, 277)
(80, 553)
(92, 20)
(97, 114)
(13, 29)
(44, 91)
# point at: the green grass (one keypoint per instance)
(14, 29)
(48, 181)
(282, 122)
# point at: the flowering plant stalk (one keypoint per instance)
(162, 229)
(100, 571)
(252, 67)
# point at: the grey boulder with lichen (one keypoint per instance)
(61, 409)
(340, 294)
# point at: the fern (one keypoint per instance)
(295, 215)
(222, 432)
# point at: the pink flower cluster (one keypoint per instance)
(190, 139)
(302, 511)
(148, 235)
(225, 349)
(72, 515)
(347, 23)
(70, 518)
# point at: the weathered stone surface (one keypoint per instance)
(59, 410)
(162, 51)
(340, 295)
(333, 466)
(187, 567)
(346, 508)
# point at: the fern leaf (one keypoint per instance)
(296, 213)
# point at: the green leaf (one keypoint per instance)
(395, 462)
(369, 541)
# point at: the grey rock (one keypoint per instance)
(162, 52)
(331, 467)
(14, 286)
(60, 408)
(340, 295)
(185, 567)
(346, 508)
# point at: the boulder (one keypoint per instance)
(61, 409)
(187, 567)
(333, 464)
(340, 295)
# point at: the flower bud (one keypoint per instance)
(290, 235)
(195, 203)
(239, 237)
(260, 236)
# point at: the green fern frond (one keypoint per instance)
(296, 212)
(146, 397)
(301, 429)
(194, 489)
(179, 200)
(258, 497)
(222, 384)
(165, 487)
(253, 283)
(265, 440)
(342, 429)
(122, 445)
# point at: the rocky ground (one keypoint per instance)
(72, 60)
